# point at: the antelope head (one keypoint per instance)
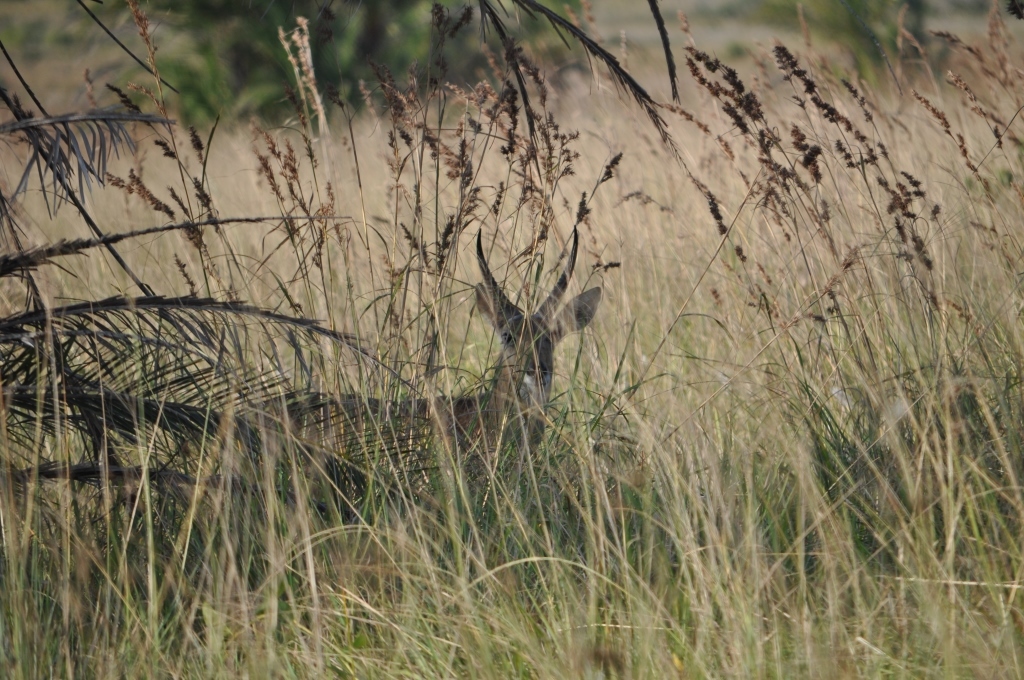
(528, 340)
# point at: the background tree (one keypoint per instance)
(237, 60)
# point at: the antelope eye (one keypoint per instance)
(506, 337)
(543, 369)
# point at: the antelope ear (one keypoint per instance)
(576, 314)
(487, 306)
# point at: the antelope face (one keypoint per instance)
(528, 350)
(528, 340)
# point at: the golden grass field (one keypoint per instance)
(789, 445)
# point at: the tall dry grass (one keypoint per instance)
(789, 444)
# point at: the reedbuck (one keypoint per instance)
(515, 402)
(474, 425)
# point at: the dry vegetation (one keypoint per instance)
(789, 444)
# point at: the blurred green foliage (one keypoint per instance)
(237, 66)
(844, 21)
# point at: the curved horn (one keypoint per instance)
(548, 308)
(507, 308)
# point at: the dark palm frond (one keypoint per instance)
(171, 366)
(667, 46)
(34, 257)
(180, 484)
(90, 473)
(357, 439)
(106, 116)
(110, 377)
(177, 311)
(76, 143)
(489, 15)
(54, 153)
